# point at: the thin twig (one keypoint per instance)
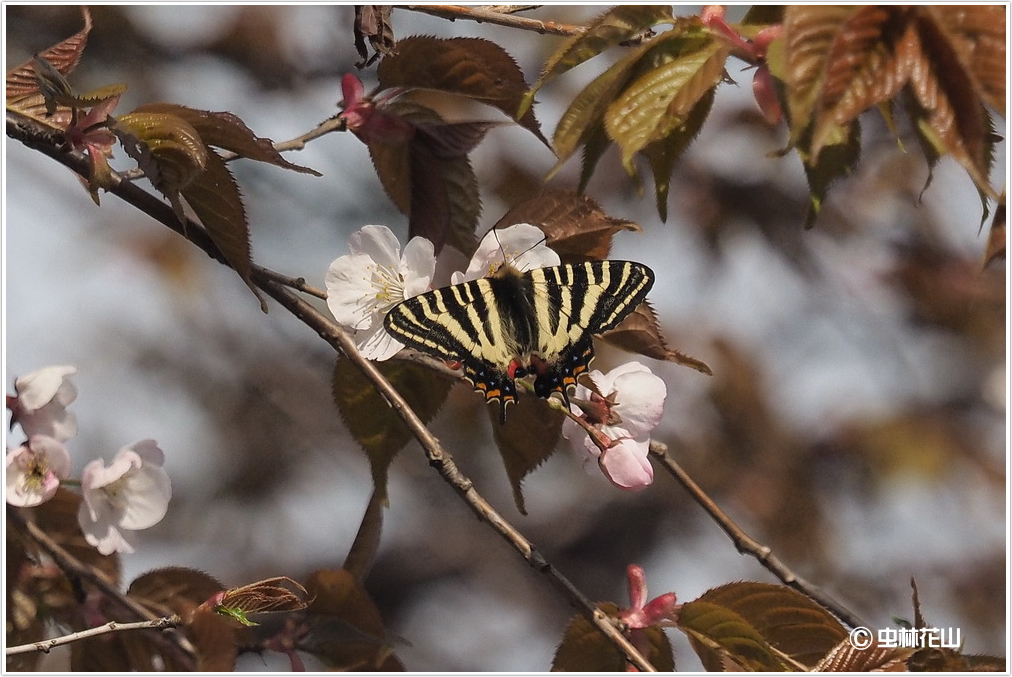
(19, 127)
(75, 568)
(484, 15)
(112, 626)
(747, 545)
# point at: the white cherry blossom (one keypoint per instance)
(132, 493)
(40, 405)
(364, 285)
(34, 470)
(521, 245)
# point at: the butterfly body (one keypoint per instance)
(514, 324)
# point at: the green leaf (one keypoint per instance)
(838, 158)
(611, 28)
(659, 103)
(372, 422)
(584, 116)
(661, 154)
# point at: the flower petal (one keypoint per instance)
(626, 465)
(40, 387)
(378, 243)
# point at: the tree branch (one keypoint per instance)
(492, 16)
(46, 646)
(21, 128)
(747, 545)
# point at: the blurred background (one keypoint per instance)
(855, 421)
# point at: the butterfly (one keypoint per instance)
(515, 324)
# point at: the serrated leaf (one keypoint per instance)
(271, 595)
(977, 34)
(845, 657)
(178, 590)
(429, 177)
(810, 31)
(584, 118)
(718, 634)
(611, 28)
(585, 649)
(783, 617)
(955, 117)
(167, 149)
(595, 146)
(660, 102)
(640, 333)
(215, 199)
(475, 68)
(835, 160)
(661, 154)
(63, 56)
(575, 226)
(867, 65)
(225, 130)
(372, 422)
(526, 439)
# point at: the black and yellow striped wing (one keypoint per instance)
(516, 324)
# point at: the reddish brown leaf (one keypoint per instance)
(268, 596)
(786, 619)
(719, 634)
(845, 657)
(575, 226)
(977, 33)
(955, 116)
(215, 199)
(867, 64)
(585, 649)
(641, 333)
(216, 640)
(177, 590)
(526, 439)
(472, 67)
(372, 22)
(228, 131)
(64, 56)
(347, 630)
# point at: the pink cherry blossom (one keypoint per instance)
(40, 405)
(132, 493)
(631, 407)
(363, 286)
(34, 470)
(643, 614)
